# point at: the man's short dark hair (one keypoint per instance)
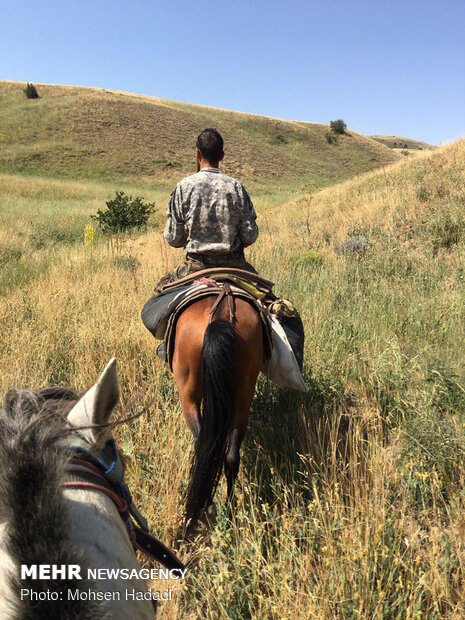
(210, 144)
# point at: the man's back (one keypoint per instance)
(210, 213)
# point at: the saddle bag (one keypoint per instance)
(158, 309)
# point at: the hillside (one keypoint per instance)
(73, 132)
(396, 142)
(350, 499)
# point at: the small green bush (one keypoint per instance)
(423, 194)
(31, 91)
(444, 227)
(280, 139)
(338, 126)
(124, 213)
(331, 138)
(306, 258)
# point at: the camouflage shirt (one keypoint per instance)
(210, 213)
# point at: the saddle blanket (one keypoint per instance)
(160, 313)
(158, 309)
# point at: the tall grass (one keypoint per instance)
(42, 219)
(350, 499)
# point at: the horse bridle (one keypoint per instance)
(105, 473)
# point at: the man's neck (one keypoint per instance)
(206, 164)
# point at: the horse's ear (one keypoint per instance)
(96, 405)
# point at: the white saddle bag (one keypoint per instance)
(282, 367)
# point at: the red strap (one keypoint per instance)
(86, 465)
(120, 503)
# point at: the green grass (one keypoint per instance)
(44, 219)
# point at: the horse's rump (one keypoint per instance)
(213, 292)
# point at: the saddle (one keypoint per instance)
(204, 287)
(240, 277)
(159, 308)
(161, 312)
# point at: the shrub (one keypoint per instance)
(331, 138)
(280, 139)
(31, 91)
(423, 194)
(355, 246)
(124, 213)
(446, 228)
(306, 258)
(338, 126)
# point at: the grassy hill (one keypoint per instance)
(350, 499)
(63, 155)
(396, 142)
(77, 133)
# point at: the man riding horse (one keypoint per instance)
(217, 327)
(210, 215)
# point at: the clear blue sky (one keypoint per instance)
(384, 66)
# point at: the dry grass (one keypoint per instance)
(96, 134)
(378, 199)
(350, 499)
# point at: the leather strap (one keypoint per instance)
(232, 306)
(155, 549)
(201, 293)
(248, 275)
(225, 292)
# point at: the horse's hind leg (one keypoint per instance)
(231, 464)
(190, 405)
(187, 376)
(236, 437)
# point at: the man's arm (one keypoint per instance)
(248, 231)
(175, 229)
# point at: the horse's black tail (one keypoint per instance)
(219, 387)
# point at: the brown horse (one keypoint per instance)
(215, 367)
